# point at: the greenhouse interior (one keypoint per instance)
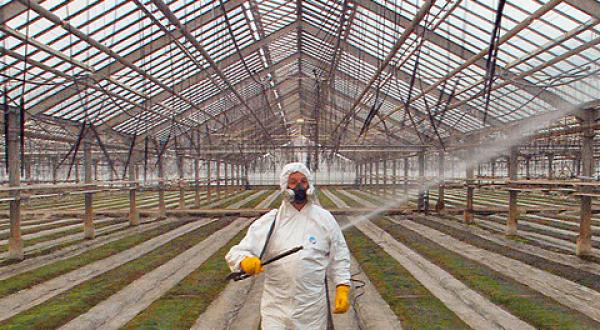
(300, 164)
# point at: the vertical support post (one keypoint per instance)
(180, 166)
(208, 182)
(27, 161)
(371, 174)
(527, 168)
(493, 167)
(513, 212)
(196, 183)
(377, 190)
(385, 181)
(134, 215)
(423, 202)
(77, 170)
(440, 205)
(584, 239)
(88, 217)
(218, 164)
(162, 208)
(468, 213)
(15, 243)
(550, 166)
(54, 169)
(395, 175)
(406, 177)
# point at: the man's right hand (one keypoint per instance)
(251, 265)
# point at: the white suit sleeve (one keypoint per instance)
(340, 257)
(252, 243)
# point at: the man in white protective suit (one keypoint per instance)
(294, 287)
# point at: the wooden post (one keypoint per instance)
(180, 166)
(162, 208)
(88, 217)
(134, 215)
(196, 183)
(584, 240)
(15, 243)
(468, 213)
(513, 212)
(440, 205)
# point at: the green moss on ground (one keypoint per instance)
(68, 305)
(180, 307)
(521, 301)
(414, 305)
(44, 273)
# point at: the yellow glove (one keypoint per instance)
(251, 265)
(342, 302)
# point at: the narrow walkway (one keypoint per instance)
(474, 309)
(124, 305)
(568, 293)
(28, 298)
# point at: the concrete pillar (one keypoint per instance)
(584, 239)
(88, 217)
(527, 167)
(550, 166)
(162, 208)
(134, 215)
(15, 243)
(468, 213)
(196, 183)
(180, 166)
(440, 205)
(513, 212)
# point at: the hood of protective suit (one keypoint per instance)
(285, 174)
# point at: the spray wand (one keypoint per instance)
(241, 275)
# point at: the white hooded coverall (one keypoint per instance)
(294, 289)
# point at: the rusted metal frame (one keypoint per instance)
(457, 50)
(190, 38)
(534, 70)
(477, 57)
(492, 55)
(261, 33)
(360, 83)
(299, 41)
(181, 47)
(137, 53)
(42, 66)
(73, 30)
(241, 57)
(423, 11)
(217, 97)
